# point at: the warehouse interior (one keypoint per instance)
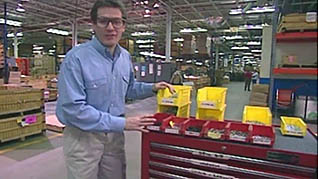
(213, 43)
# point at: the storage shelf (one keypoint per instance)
(297, 37)
(298, 71)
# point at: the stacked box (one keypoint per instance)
(188, 45)
(1, 56)
(259, 95)
(19, 99)
(15, 77)
(298, 21)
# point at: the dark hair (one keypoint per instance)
(106, 3)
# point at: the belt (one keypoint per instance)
(122, 115)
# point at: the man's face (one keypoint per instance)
(109, 26)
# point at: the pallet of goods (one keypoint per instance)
(21, 112)
(298, 22)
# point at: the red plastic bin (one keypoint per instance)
(218, 125)
(159, 117)
(266, 131)
(193, 123)
(240, 127)
(178, 121)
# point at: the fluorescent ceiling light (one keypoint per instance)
(11, 22)
(178, 39)
(38, 48)
(37, 51)
(256, 51)
(240, 48)
(267, 9)
(145, 41)
(251, 27)
(147, 33)
(156, 5)
(147, 15)
(61, 56)
(247, 54)
(188, 30)
(221, 53)
(20, 34)
(261, 10)
(253, 43)
(52, 51)
(237, 37)
(235, 11)
(20, 9)
(57, 31)
(151, 54)
(145, 46)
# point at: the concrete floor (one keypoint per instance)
(41, 156)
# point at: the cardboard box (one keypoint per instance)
(289, 59)
(261, 88)
(258, 97)
(256, 103)
(15, 77)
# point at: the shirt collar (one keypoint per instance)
(104, 50)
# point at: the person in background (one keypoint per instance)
(255, 77)
(177, 76)
(94, 80)
(247, 78)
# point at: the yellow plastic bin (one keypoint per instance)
(211, 98)
(180, 98)
(293, 126)
(257, 115)
(179, 111)
(211, 114)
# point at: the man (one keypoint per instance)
(177, 76)
(94, 80)
(247, 78)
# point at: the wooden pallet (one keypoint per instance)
(23, 137)
(55, 128)
(20, 113)
(299, 27)
(53, 124)
(297, 65)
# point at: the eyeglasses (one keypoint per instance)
(103, 22)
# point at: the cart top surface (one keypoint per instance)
(306, 144)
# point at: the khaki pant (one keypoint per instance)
(94, 155)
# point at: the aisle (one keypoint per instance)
(236, 99)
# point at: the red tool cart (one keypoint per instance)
(177, 156)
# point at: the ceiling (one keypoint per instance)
(41, 15)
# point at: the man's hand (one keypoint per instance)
(163, 85)
(139, 123)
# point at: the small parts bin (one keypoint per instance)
(293, 126)
(257, 115)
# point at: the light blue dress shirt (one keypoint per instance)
(93, 85)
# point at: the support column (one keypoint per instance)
(5, 45)
(216, 56)
(15, 44)
(74, 32)
(168, 34)
(273, 54)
